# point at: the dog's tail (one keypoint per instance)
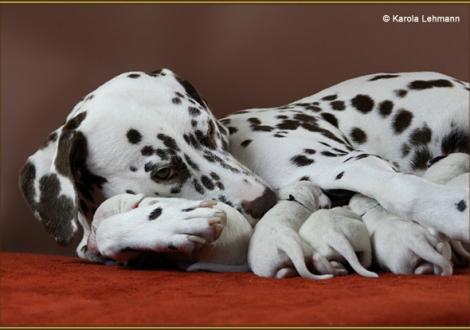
(341, 245)
(292, 247)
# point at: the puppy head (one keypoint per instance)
(306, 193)
(150, 134)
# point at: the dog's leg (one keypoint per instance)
(441, 207)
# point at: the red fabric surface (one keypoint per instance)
(53, 290)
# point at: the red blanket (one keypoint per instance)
(51, 290)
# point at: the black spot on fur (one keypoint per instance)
(304, 178)
(190, 162)
(384, 76)
(232, 130)
(194, 111)
(329, 97)
(461, 206)
(214, 176)
(421, 158)
(262, 128)
(309, 151)
(401, 121)
(281, 117)
(133, 136)
(254, 121)
(426, 84)
(133, 75)
(246, 143)
(198, 187)
(155, 213)
(405, 149)
(168, 141)
(361, 156)
(401, 92)
(385, 108)
(358, 135)
(163, 154)
(338, 105)
(329, 154)
(288, 124)
(176, 100)
(339, 176)
(188, 209)
(207, 182)
(128, 191)
(146, 151)
(190, 90)
(330, 118)
(51, 138)
(363, 103)
(175, 190)
(301, 160)
(421, 135)
(455, 141)
(149, 167)
(305, 118)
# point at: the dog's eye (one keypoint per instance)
(164, 173)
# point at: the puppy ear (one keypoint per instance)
(48, 183)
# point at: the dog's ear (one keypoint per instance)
(48, 180)
(187, 86)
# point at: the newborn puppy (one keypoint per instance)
(338, 234)
(276, 249)
(401, 246)
(229, 235)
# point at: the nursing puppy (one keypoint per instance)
(417, 255)
(276, 249)
(338, 234)
(214, 249)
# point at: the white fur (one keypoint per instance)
(338, 234)
(403, 246)
(276, 249)
(126, 216)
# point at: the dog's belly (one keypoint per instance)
(408, 130)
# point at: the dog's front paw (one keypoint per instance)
(160, 225)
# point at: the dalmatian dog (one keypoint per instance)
(153, 134)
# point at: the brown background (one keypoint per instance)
(238, 56)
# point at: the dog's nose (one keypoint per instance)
(259, 206)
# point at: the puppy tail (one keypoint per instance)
(341, 245)
(293, 249)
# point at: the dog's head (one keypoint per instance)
(138, 133)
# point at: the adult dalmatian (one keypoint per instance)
(153, 134)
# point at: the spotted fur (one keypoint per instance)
(154, 134)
